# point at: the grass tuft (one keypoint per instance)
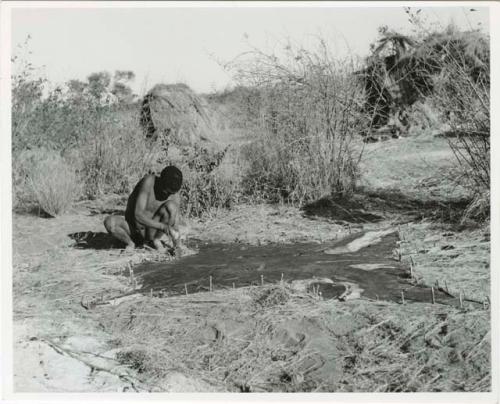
(46, 181)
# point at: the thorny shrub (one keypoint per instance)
(310, 113)
(208, 183)
(464, 100)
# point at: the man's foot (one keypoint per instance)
(178, 251)
(158, 245)
(130, 247)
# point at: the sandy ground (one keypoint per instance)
(420, 166)
(52, 279)
(270, 338)
(61, 346)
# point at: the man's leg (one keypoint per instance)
(118, 227)
(173, 222)
(168, 214)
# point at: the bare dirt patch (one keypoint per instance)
(262, 224)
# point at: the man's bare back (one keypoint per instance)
(152, 211)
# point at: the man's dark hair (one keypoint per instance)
(171, 178)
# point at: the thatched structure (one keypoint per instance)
(402, 70)
(175, 114)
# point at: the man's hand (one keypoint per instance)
(175, 235)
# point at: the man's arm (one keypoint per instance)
(172, 207)
(140, 211)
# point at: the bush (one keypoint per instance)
(211, 179)
(463, 98)
(310, 113)
(115, 156)
(204, 192)
(94, 125)
(46, 117)
(106, 146)
(45, 180)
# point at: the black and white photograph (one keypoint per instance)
(248, 197)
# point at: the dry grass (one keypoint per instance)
(114, 157)
(257, 339)
(459, 260)
(421, 348)
(45, 180)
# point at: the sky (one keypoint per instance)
(185, 44)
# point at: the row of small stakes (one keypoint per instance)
(133, 282)
(461, 295)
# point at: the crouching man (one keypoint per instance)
(152, 211)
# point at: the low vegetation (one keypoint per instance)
(299, 114)
(45, 180)
(310, 116)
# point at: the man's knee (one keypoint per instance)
(168, 214)
(109, 223)
(163, 214)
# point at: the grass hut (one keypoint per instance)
(174, 114)
(402, 70)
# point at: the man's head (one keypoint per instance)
(171, 179)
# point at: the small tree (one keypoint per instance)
(121, 89)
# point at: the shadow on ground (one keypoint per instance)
(32, 210)
(94, 240)
(342, 209)
(355, 208)
(94, 212)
